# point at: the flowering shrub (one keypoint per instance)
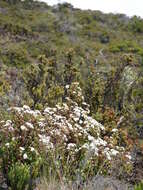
(19, 143)
(65, 138)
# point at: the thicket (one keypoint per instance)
(43, 49)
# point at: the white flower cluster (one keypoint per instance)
(71, 125)
(25, 110)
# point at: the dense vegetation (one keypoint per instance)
(50, 53)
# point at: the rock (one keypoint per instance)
(2, 10)
(129, 76)
(4, 186)
(108, 183)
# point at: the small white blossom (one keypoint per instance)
(25, 156)
(7, 144)
(108, 156)
(8, 123)
(114, 152)
(10, 128)
(86, 146)
(76, 119)
(128, 156)
(114, 130)
(32, 149)
(25, 107)
(13, 138)
(90, 138)
(44, 139)
(80, 122)
(23, 128)
(67, 86)
(71, 145)
(70, 126)
(120, 120)
(93, 148)
(22, 148)
(41, 124)
(30, 125)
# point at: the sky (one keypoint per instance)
(128, 7)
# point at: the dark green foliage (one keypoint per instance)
(104, 37)
(40, 81)
(15, 56)
(19, 176)
(16, 29)
(139, 186)
(70, 70)
(136, 24)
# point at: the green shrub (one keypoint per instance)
(16, 29)
(139, 186)
(15, 55)
(126, 46)
(19, 176)
(136, 24)
(104, 37)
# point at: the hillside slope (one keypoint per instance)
(45, 49)
(103, 51)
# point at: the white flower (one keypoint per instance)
(48, 111)
(114, 152)
(41, 124)
(8, 123)
(22, 148)
(77, 111)
(7, 144)
(25, 156)
(114, 130)
(82, 97)
(80, 122)
(67, 86)
(32, 149)
(65, 106)
(71, 145)
(108, 156)
(30, 125)
(11, 128)
(94, 148)
(74, 92)
(84, 104)
(25, 107)
(76, 119)
(100, 142)
(36, 113)
(128, 156)
(86, 146)
(120, 120)
(23, 128)
(58, 106)
(44, 139)
(13, 138)
(106, 153)
(70, 126)
(90, 138)
(33, 113)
